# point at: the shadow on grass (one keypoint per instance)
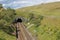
(8, 29)
(2, 39)
(58, 36)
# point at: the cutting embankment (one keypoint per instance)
(50, 25)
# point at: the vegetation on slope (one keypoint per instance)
(43, 9)
(6, 17)
(42, 21)
(49, 27)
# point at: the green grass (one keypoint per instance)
(48, 30)
(5, 36)
(50, 26)
(43, 9)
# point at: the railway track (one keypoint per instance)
(23, 33)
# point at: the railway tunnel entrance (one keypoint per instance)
(21, 32)
(19, 20)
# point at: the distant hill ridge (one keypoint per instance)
(43, 9)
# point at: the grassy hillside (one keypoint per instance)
(49, 28)
(5, 36)
(43, 21)
(6, 18)
(43, 9)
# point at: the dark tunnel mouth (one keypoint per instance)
(19, 20)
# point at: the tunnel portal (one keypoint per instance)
(17, 20)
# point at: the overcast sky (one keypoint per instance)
(23, 3)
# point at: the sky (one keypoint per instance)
(23, 3)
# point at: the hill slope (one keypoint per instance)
(49, 28)
(43, 9)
